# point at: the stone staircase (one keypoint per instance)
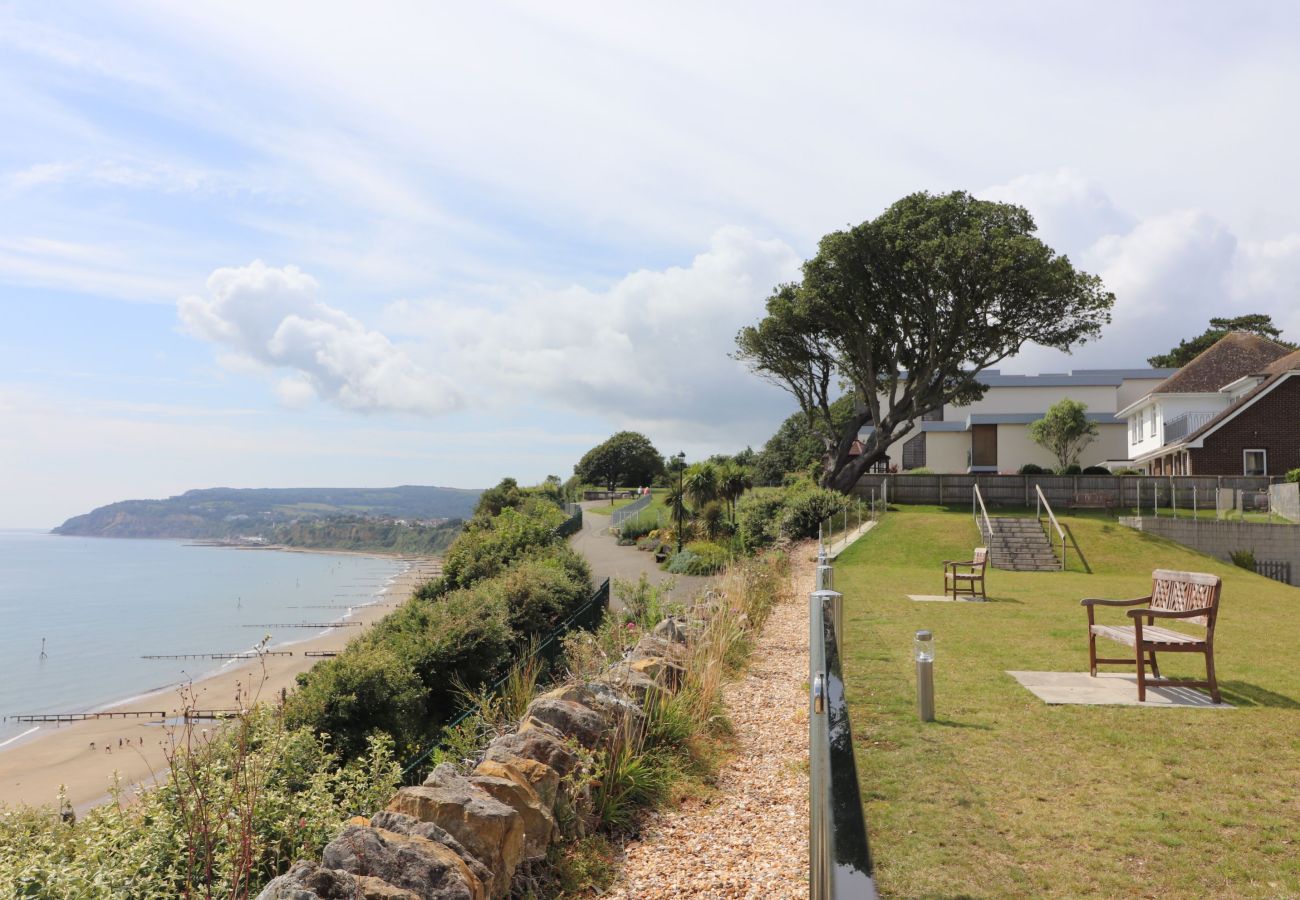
(1021, 545)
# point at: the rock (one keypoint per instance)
(659, 669)
(635, 683)
(541, 743)
(672, 629)
(584, 724)
(429, 870)
(485, 826)
(308, 881)
(652, 645)
(404, 824)
(537, 775)
(539, 823)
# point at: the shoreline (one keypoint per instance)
(34, 765)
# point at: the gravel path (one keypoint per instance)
(751, 839)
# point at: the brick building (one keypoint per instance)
(1234, 410)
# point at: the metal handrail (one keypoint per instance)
(839, 857)
(985, 526)
(1042, 503)
(623, 513)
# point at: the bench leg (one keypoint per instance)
(1142, 675)
(1092, 653)
(1155, 669)
(1209, 676)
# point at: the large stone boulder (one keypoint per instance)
(539, 823)
(487, 828)
(653, 645)
(672, 629)
(584, 724)
(536, 775)
(400, 823)
(308, 881)
(633, 682)
(539, 742)
(428, 869)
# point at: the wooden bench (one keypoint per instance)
(970, 583)
(1191, 597)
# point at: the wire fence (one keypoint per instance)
(586, 617)
(632, 510)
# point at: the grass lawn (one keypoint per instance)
(605, 507)
(1006, 796)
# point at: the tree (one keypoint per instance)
(907, 309)
(1064, 431)
(733, 481)
(700, 483)
(1186, 351)
(626, 458)
(795, 445)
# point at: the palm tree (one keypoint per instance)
(733, 481)
(701, 484)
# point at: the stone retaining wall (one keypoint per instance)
(462, 837)
(1269, 543)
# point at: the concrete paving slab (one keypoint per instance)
(942, 598)
(1109, 689)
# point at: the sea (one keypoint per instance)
(77, 614)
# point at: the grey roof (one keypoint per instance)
(1077, 378)
(1096, 418)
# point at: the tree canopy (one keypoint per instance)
(1188, 350)
(907, 309)
(627, 458)
(1064, 431)
(795, 446)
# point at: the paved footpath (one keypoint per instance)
(609, 560)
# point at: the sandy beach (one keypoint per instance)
(32, 770)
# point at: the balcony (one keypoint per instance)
(1181, 426)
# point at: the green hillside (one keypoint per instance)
(232, 512)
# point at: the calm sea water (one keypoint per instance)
(101, 604)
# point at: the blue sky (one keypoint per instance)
(310, 243)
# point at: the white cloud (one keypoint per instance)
(649, 349)
(1071, 210)
(270, 317)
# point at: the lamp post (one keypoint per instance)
(680, 507)
(923, 649)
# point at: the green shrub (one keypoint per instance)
(1096, 470)
(487, 548)
(1293, 476)
(806, 509)
(1244, 559)
(758, 519)
(637, 527)
(230, 813)
(1071, 469)
(919, 470)
(1125, 470)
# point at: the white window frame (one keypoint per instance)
(1245, 469)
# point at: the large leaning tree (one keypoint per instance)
(907, 309)
(626, 458)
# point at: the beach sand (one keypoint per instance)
(32, 770)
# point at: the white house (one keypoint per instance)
(991, 434)
(1167, 427)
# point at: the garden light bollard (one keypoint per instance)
(923, 649)
(825, 577)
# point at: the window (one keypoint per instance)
(1255, 462)
(1151, 422)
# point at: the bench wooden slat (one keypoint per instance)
(1151, 634)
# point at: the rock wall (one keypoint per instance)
(462, 837)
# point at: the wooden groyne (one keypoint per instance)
(84, 717)
(320, 653)
(307, 625)
(246, 654)
(191, 714)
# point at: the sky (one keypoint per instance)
(312, 244)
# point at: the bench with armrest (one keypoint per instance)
(1176, 597)
(970, 582)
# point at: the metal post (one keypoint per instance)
(825, 577)
(925, 676)
(818, 745)
(832, 603)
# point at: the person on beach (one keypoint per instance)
(92, 745)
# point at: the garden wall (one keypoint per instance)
(1284, 499)
(1119, 491)
(1269, 543)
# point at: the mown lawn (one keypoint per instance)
(1006, 796)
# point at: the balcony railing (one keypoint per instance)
(1180, 427)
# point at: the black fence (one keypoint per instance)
(587, 617)
(1063, 491)
(571, 525)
